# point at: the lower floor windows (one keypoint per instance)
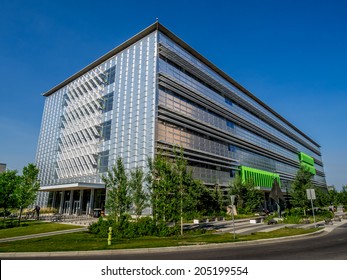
(103, 161)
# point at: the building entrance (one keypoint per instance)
(76, 207)
(66, 207)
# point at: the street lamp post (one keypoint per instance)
(232, 198)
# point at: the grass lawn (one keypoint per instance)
(33, 227)
(84, 241)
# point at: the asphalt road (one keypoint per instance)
(324, 246)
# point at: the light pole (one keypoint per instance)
(232, 198)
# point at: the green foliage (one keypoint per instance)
(84, 241)
(26, 191)
(132, 229)
(173, 191)
(292, 219)
(341, 197)
(334, 196)
(296, 215)
(247, 197)
(217, 200)
(100, 227)
(8, 185)
(138, 195)
(118, 194)
(322, 198)
(298, 190)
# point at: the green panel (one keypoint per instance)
(309, 167)
(306, 158)
(260, 178)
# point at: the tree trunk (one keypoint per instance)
(20, 215)
(4, 216)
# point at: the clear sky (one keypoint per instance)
(290, 54)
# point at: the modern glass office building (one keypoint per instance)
(154, 92)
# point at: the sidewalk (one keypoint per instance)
(9, 239)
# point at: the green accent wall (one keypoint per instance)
(260, 178)
(309, 167)
(306, 158)
(308, 162)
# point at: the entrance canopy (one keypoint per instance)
(72, 186)
(259, 178)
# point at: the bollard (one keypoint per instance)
(109, 235)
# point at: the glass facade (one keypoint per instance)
(106, 113)
(203, 112)
(154, 92)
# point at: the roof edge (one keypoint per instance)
(184, 45)
(105, 57)
(157, 26)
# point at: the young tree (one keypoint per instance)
(217, 199)
(247, 196)
(8, 184)
(298, 190)
(333, 195)
(322, 198)
(342, 197)
(26, 191)
(138, 196)
(118, 198)
(188, 190)
(161, 186)
(174, 193)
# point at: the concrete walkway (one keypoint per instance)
(24, 237)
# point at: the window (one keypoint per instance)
(231, 148)
(233, 173)
(230, 124)
(228, 101)
(103, 161)
(107, 102)
(106, 130)
(109, 75)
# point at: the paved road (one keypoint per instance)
(324, 246)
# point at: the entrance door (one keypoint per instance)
(76, 207)
(88, 209)
(67, 207)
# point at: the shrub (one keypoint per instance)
(2, 214)
(100, 227)
(292, 219)
(132, 229)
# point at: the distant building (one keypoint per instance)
(2, 167)
(152, 92)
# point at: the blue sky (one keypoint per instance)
(290, 54)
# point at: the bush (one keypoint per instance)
(322, 213)
(292, 219)
(100, 227)
(295, 215)
(2, 214)
(132, 229)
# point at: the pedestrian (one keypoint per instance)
(37, 210)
